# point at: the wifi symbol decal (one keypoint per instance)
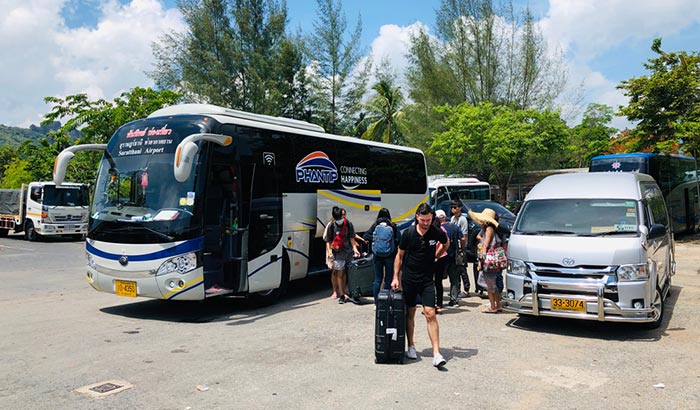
(269, 158)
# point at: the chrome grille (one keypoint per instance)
(67, 218)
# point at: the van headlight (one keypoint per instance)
(517, 267)
(632, 272)
(180, 264)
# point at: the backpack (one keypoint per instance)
(452, 234)
(339, 240)
(383, 240)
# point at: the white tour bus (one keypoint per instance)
(463, 188)
(199, 200)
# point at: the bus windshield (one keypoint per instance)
(66, 195)
(137, 198)
(620, 164)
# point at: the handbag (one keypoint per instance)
(495, 259)
(339, 240)
(460, 258)
(481, 281)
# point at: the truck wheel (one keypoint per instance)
(29, 232)
(4, 232)
(657, 303)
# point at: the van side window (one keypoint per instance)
(654, 202)
(658, 210)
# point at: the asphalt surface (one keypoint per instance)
(309, 352)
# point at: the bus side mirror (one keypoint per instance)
(187, 149)
(60, 164)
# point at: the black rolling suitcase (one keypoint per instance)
(361, 276)
(390, 327)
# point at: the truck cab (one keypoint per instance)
(45, 209)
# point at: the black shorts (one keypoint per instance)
(426, 291)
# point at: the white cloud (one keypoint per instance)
(393, 43)
(40, 56)
(587, 30)
(590, 28)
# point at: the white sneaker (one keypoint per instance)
(411, 352)
(438, 360)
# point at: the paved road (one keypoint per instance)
(308, 352)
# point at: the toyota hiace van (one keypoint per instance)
(594, 246)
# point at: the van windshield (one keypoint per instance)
(582, 217)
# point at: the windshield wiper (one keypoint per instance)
(153, 231)
(550, 232)
(613, 233)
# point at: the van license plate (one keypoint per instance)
(126, 288)
(569, 304)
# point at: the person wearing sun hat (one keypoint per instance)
(489, 238)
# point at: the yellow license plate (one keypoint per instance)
(569, 304)
(126, 288)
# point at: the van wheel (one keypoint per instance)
(658, 303)
(29, 232)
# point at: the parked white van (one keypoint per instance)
(594, 246)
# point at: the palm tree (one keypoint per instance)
(384, 114)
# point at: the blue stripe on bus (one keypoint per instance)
(357, 196)
(405, 225)
(297, 252)
(191, 245)
(264, 266)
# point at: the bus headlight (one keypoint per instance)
(180, 264)
(632, 272)
(517, 267)
(91, 261)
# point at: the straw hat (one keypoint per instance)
(487, 216)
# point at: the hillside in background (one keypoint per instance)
(14, 136)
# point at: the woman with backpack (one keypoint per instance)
(341, 247)
(384, 236)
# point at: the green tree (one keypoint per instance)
(336, 56)
(666, 103)
(96, 120)
(16, 174)
(234, 53)
(480, 55)
(385, 114)
(495, 142)
(592, 136)
(8, 154)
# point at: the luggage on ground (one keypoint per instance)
(390, 327)
(361, 276)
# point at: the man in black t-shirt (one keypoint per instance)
(418, 250)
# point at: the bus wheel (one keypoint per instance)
(271, 296)
(29, 232)
(658, 303)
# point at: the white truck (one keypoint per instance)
(45, 209)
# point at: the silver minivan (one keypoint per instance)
(594, 246)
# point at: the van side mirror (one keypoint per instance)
(187, 149)
(60, 164)
(656, 231)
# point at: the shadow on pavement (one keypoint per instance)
(237, 311)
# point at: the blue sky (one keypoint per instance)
(64, 47)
